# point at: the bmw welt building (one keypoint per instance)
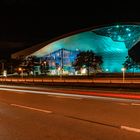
(111, 42)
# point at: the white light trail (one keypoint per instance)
(69, 95)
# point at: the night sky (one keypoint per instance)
(23, 23)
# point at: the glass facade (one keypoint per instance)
(112, 43)
(61, 59)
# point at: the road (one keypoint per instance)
(27, 115)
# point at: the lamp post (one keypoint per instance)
(21, 69)
(45, 63)
(123, 70)
(45, 67)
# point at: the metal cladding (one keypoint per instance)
(111, 42)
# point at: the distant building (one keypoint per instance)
(110, 42)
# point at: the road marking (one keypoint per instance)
(31, 108)
(130, 129)
(135, 104)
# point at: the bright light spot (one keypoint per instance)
(127, 29)
(83, 71)
(117, 26)
(123, 69)
(59, 68)
(106, 70)
(53, 72)
(20, 69)
(129, 34)
(5, 73)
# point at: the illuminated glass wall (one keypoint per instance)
(61, 59)
(112, 43)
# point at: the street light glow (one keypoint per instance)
(20, 69)
(123, 69)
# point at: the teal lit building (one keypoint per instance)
(111, 42)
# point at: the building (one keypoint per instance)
(111, 42)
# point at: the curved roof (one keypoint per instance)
(129, 34)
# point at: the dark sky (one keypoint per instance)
(30, 22)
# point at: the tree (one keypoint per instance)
(128, 64)
(29, 64)
(44, 67)
(10, 65)
(131, 64)
(13, 64)
(97, 63)
(134, 53)
(87, 59)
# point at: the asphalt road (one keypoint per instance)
(32, 116)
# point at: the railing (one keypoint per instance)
(63, 80)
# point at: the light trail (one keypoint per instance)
(92, 95)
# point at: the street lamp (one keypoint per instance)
(123, 70)
(106, 70)
(45, 63)
(60, 72)
(45, 66)
(21, 70)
